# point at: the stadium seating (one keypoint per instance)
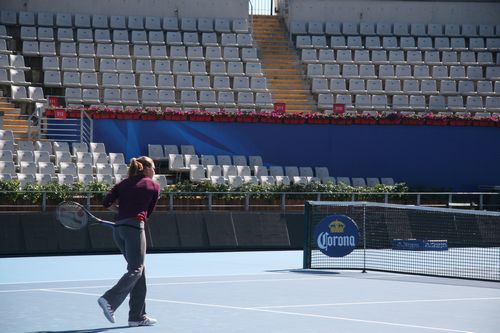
(145, 48)
(407, 59)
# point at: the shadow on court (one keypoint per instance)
(303, 271)
(90, 330)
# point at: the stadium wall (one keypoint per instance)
(181, 8)
(429, 157)
(25, 234)
(375, 11)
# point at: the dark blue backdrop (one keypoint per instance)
(458, 158)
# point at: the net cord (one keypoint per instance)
(405, 207)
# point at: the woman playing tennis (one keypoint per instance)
(137, 196)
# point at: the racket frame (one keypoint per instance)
(92, 217)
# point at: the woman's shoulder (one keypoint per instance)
(149, 181)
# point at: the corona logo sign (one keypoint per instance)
(336, 235)
(336, 227)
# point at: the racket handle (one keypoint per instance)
(103, 222)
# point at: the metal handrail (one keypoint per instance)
(278, 200)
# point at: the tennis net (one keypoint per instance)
(410, 239)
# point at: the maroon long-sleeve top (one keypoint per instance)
(137, 197)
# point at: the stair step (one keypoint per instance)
(14, 121)
(281, 64)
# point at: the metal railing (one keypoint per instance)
(262, 201)
(61, 129)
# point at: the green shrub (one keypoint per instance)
(9, 190)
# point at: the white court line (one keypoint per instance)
(172, 283)
(279, 312)
(379, 302)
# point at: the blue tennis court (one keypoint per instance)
(240, 292)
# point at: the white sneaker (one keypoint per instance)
(147, 321)
(106, 308)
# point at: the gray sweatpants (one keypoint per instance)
(130, 238)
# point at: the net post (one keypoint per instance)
(307, 235)
(364, 239)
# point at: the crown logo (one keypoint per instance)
(336, 227)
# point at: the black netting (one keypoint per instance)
(472, 239)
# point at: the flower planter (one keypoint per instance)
(228, 204)
(224, 119)
(484, 123)
(294, 121)
(413, 121)
(389, 121)
(341, 121)
(318, 121)
(179, 117)
(104, 115)
(459, 122)
(200, 117)
(149, 117)
(437, 122)
(271, 120)
(127, 116)
(74, 114)
(246, 119)
(365, 121)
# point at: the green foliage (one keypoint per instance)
(9, 190)
(32, 193)
(57, 192)
(99, 189)
(329, 191)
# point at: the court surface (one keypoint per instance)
(240, 292)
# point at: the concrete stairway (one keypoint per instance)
(281, 65)
(14, 120)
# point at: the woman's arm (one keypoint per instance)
(154, 200)
(110, 197)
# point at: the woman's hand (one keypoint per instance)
(113, 208)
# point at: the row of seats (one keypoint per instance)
(136, 37)
(26, 94)
(237, 181)
(394, 29)
(69, 179)
(417, 103)
(152, 81)
(398, 43)
(236, 175)
(108, 50)
(103, 52)
(66, 168)
(184, 98)
(239, 169)
(37, 156)
(13, 61)
(180, 67)
(380, 57)
(44, 161)
(403, 72)
(162, 152)
(133, 22)
(406, 86)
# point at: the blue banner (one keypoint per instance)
(444, 157)
(419, 245)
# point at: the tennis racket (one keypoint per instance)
(74, 216)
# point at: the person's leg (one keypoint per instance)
(134, 250)
(137, 301)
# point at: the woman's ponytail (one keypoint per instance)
(137, 165)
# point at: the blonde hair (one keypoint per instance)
(138, 164)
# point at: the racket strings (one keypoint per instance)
(72, 216)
